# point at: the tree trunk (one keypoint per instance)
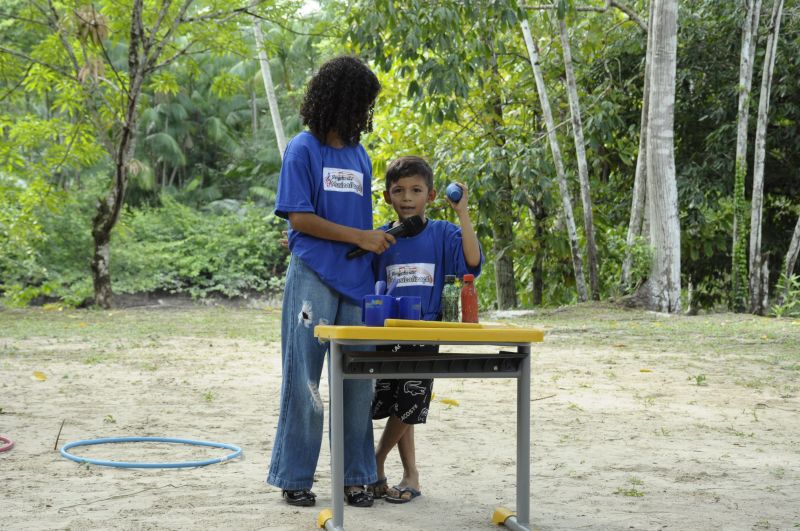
(638, 202)
(664, 283)
(101, 275)
(539, 215)
(566, 200)
(583, 169)
(108, 209)
(790, 261)
(739, 241)
(270, 89)
(503, 242)
(764, 291)
(692, 306)
(502, 223)
(254, 112)
(757, 294)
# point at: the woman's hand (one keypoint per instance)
(376, 241)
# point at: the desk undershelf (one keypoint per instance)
(430, 364)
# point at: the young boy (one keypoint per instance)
(419, 263)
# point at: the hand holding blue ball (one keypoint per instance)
(453, 192)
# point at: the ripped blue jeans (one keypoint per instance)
(307, 302)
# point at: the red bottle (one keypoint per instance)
(469, 300)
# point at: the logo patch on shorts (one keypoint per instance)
(414, 388)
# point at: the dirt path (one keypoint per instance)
(651, 428)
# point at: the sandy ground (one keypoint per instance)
(620, 441)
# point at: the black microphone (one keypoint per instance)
(409, 227)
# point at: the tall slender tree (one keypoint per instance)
(555, 149)
(638, 202)
(580, 153)
(758, 280)
(789, 262)
(269, 87)
(739, 241)
(663, 287)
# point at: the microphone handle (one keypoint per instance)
(355, 253)
(397, 230)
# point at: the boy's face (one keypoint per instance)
(409, 196)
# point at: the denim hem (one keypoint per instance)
(288, 485)
(361, 480)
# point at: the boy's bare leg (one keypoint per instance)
(393, 433)
(408, 456)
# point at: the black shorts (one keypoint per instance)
(407, 400)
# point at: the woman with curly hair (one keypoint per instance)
(325, 192)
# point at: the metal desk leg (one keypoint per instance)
(336, 522)
(524, 438)
(521, 521)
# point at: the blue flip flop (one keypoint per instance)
(400, 491)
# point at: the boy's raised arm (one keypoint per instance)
(469, 240)
(375, 241)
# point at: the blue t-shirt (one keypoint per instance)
(335, 184)
(420, 263)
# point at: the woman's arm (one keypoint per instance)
(375, 241)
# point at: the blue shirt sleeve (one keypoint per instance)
(296, 183)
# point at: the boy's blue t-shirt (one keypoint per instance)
(420, 263)
(335, 184)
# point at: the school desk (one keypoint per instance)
(351, 364)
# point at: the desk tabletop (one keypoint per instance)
(431, 331)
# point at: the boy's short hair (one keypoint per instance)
(409, 166)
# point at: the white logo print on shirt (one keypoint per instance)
(411, 274)
(343, 180)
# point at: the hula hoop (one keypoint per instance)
(123, 464)
(9, 444)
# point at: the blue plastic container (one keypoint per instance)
(453, 192)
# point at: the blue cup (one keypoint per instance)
(375, 309)
(409, 307)
(454, 192)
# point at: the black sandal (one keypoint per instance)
(358, 497)
(378, 489)
(299, 498)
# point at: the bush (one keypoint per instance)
(172, 248)
(181, 250)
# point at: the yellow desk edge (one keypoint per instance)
(446, 335)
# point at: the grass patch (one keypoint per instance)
(632, 488)
(142, 325)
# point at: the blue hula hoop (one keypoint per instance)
(123, 464)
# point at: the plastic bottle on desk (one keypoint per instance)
(450, 295)
(469, 300)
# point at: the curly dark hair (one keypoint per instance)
(340, 97)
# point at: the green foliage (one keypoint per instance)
(739, 283)
(172, 248)
(615, 245)
(205, 144)
(48, 244)
(181, 250)
(789, 293)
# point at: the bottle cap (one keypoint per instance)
(449, 278)
(469, 278)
